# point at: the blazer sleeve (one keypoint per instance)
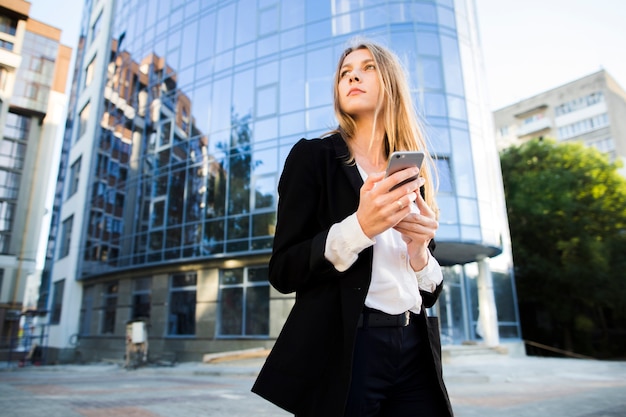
(430, 298)
(298, 260)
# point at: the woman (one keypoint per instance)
(358, 256)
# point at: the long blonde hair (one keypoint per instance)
(403, 130)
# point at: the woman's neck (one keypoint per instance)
(368, 148)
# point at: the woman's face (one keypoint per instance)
(358, 87)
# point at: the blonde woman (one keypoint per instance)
(359, 258)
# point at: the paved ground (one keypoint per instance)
(481, 385)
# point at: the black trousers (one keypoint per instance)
(393, 373)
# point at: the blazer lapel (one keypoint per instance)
(351, 171)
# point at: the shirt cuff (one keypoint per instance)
(429, 277)
(344, 242)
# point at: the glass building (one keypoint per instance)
(181, 117)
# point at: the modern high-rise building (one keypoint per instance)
(589, 110)
(182, 115)
(33, 73)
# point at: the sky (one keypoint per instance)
(528, 46)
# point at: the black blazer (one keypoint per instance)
(309, 369)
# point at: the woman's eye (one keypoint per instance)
(370, 67)
(344, 73)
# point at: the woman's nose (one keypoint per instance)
(354, 77)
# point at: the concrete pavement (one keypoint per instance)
(487, 385)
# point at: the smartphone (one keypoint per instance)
(404, 159)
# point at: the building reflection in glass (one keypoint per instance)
(159, 193)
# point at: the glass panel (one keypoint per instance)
(435, 105)
(243, 101)
(292, 39)
(428, 43)
(468, 211)
(446, 17)
(266, 101)
(263, 224)
(430, 76)
(268, 20)
(292, 124)
(375, 17)
(246, 21)
(424, 13)
(232, 276)
(158, 213)
(453, 72)
(462, 163)
(258, 310)
(265, 189)
(213, 236)
(504, 296)
(206, 34)
(225, 28)
(451, 309)
(266, 129)
(292, 84)
(456, 108)
(184, 280)
(141, 306)
(231, 311)
(258, 274)
(238, 227)
(292, 14)
(444, 175)
(182, 314)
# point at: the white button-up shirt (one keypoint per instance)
(395, 287)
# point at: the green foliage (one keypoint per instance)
(566, 205)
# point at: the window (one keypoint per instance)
(579, 103)
(95, 28)
(182, 313)
(9, 184)
(444, 176)
(86, 309)
(6, 45)
(57, 302)
(66, 236)
(141, 298)
(8, 25)
(12, 153)
(7, 211)
(583, 126)
(244, 302)
(89, 72)
(17, 126)
(533, 118)
(74, 176)
(83, 118)
(109, 307)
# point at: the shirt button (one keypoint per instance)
(403, 256)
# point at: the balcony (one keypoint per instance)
(534, 127)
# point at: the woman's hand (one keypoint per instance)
(417, 231)
(380, 209)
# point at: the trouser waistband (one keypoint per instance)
(374, 318)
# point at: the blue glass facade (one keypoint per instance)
(194, 106)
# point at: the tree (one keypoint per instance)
(566, 205)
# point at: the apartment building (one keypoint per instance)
(589, 110)
(33, 72)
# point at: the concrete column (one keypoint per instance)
(487, 313)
